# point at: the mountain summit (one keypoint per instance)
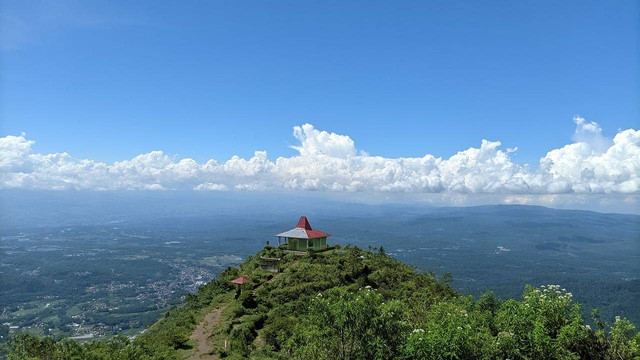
(347, 303)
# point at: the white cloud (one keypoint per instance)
(314, 142)
(590, 133)
(581, 168)
(331, 162)
(211, 187)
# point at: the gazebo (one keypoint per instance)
(303, 237)
(239, 283)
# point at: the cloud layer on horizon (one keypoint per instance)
(592, 164)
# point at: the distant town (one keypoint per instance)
(107, 290)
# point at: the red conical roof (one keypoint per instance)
(303, 223)
(303, 230)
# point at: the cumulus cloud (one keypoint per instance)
(331, 162)
(314, 142)
(590, 132)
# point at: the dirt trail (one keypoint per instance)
(201, 336)
(205, 329)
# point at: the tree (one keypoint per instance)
(350, 326)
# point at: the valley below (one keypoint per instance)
(90, 281)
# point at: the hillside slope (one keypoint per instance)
(348, 303)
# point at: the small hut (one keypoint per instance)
(269, 264)
(239, 283)
(303, 237)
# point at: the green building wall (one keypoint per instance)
(319, 243)
(302, 244)
(297, 244)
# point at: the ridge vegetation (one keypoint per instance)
(349, 303)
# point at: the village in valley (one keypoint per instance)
(129, 305)
(111, 289)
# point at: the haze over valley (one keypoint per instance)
(96, 269)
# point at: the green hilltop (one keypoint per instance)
(349, 303)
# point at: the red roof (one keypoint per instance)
(303, 223)
(241, 280)
(304, 231)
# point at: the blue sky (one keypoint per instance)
(111, 80)
(454, 103)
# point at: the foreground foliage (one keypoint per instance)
(354, 304)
